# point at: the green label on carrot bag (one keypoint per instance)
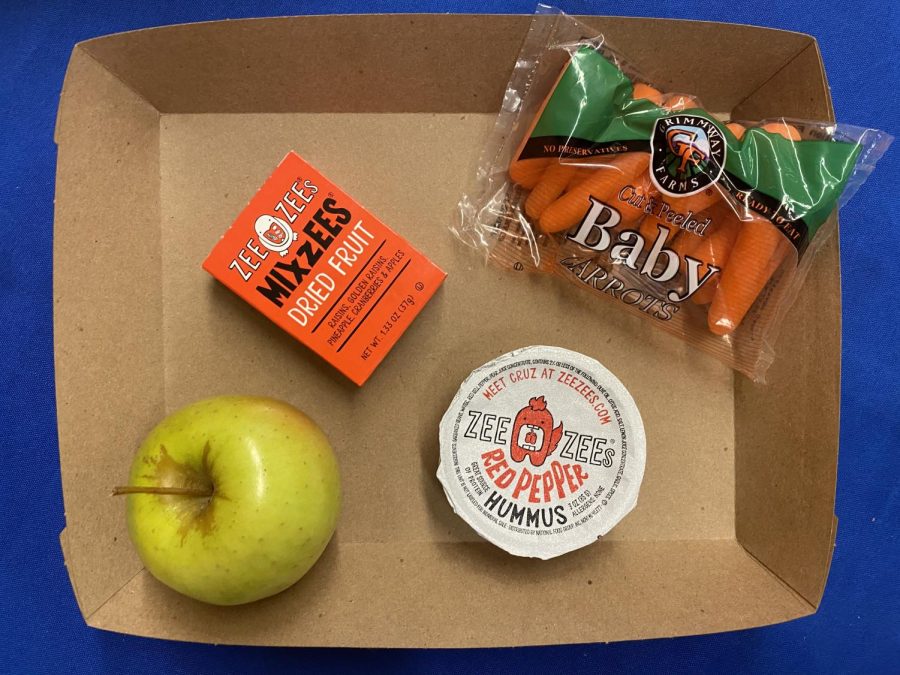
(793, 183)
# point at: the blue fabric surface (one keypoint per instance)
(857, 628)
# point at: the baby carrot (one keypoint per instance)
(697, 202)
(631, 212)
(714, 249)
(678, 102)
(649, 230)
(604, 184)
(688, 240)
(642, 90)
(788, 131)
(552, 184)
(758, 251)
(737, 129)
(580, 174)
(755, 256)
(684, 243)
(706, 294)
(527, 172)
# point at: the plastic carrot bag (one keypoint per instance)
(703, 225)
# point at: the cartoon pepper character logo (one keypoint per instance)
(275, 234)
(533, 433)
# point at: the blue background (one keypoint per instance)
(857, 628)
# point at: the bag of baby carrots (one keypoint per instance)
(702, 224)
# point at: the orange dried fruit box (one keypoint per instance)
(319, 265)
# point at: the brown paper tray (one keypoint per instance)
(164, 135)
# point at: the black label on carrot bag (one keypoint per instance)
(572, 147)
(779, 213)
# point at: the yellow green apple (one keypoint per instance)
(233, 498)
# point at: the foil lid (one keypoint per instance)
(542, 451)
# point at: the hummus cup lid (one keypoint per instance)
(542, 451)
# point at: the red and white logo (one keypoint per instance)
(533, 435)
(536, 482)
(275, 234)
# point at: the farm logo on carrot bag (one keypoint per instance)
(687, 154)
(550, 476)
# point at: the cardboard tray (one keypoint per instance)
(164, 135)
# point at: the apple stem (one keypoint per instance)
(181, 491)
